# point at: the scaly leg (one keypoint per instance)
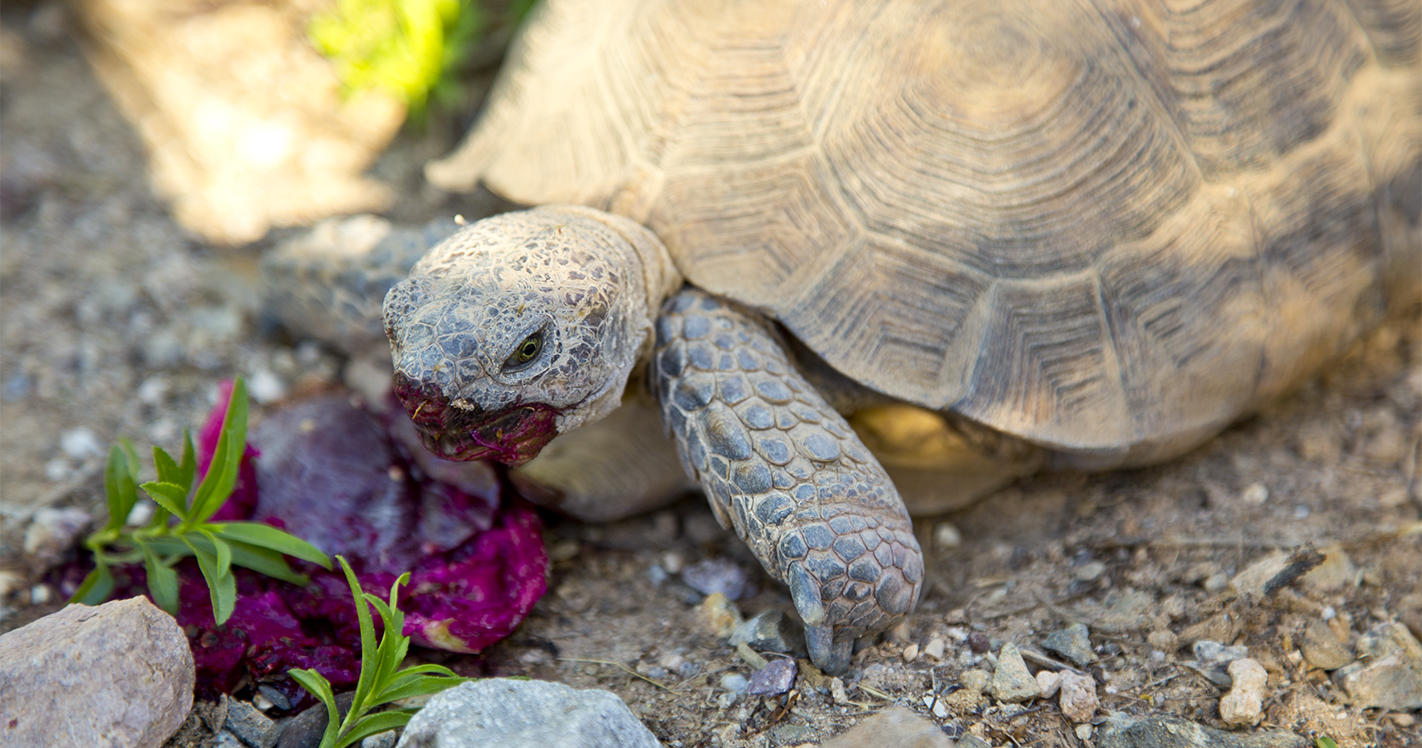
(787, 472)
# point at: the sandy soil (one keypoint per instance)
(116, 323)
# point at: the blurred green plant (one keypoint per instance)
(380, 683)
(180, 525)
(402, 47)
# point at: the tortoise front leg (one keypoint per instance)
(787, 472)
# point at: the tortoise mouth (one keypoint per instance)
(461, 432)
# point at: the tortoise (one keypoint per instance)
(856, 254)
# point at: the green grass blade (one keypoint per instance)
(162, 579)
(170, 496)
(96, 587)
(266, 536)
(120, 492)
(420, 685)
(368, 647)
(208, 487)
(232, 445)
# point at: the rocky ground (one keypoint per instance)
(114, 322)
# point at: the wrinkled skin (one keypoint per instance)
(518, 329)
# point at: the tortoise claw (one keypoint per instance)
(829, 655)
(805, 591)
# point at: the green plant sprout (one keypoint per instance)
(402, 47)
(380, 683)
(180, 526)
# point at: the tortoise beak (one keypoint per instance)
(461, 432)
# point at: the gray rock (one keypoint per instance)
(1320, 646)
(1011, 681)
(721, 575)
(1125, 731)
(769, 631)
(895, 726)
(119, 674)
(248, 723)
(1389, 671)
(1073, 643)
(775, 678)
(505, 713)
(1212, 660)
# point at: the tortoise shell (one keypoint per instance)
(1108, 228)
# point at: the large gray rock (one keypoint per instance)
(1154, 731)
(505, 713)
(1389, 671)
(119, 674)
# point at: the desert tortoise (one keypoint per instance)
(1084, 234)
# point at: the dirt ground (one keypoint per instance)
(117, 323)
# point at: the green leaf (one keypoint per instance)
(162, 579)
(265, 561)
(318, 686)
(1325, 742)
(187, 464)
(372, 725)
(224, 552)
(170, 496)
(119, 490)
(418, 683)
(266, 536)
(167, 469)
(129, 455)
(96, 587)
(227, 460)
(223, 588)
(208, 489)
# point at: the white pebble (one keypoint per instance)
(39, 594)
(935, 648)
(1244, 704)
(1083, 732)
(910, 653)
(153, 390)
(946, 535)
(1048, 682)
(266, 387)
(734, 683)
(81, 443)
(1256, 493)
(1078, 697)
(936, 705)
(141, 512)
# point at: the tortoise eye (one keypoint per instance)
(526, 351)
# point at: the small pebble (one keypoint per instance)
(380, 740)
(946, 535)
(777, 677)
(1089, 571)
(910, 653)
(1163, 640)
(1073, 643)
(1048, 682)
(975, 680)
(713, 575)
(1321, 647)
(39, 594)
(1217, 582)
(1078, 700)
(719, 614)
(80, 444)
(938, 706)
(837, 691)
(1083, 732)
(935, 648)
(734, 683)
(894, 726)
(53, 532)
(769, 631)
(266, 387)
(248, 723)
(1244, 704)
(1011, 681)
(1256, 493)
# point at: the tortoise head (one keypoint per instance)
(515, 329)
